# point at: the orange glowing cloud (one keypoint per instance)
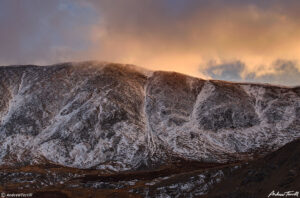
(146, 34)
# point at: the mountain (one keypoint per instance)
(118, 117)
(96, 129)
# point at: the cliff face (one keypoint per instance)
(117, 117)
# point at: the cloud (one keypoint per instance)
(171, 35)
(186, 34)
(230, 71)
(36, 31)
(284, 72)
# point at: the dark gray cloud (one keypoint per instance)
(284, 72)
(39, 31)
(230, 71)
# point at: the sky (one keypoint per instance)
(234, 40)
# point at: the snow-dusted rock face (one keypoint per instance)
(118, 117)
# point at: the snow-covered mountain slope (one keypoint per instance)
(118, 117)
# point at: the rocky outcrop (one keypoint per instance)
(118, 117)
